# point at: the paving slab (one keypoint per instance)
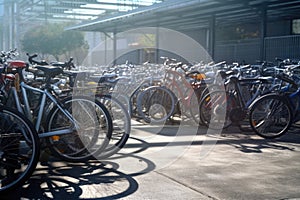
(177, 162)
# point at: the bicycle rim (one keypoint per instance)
(95, 129)
(19, 149)
(270, 116)
(121, 125)
(156, 104)
(215, 109)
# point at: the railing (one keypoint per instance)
(283, 47)
(249, 50)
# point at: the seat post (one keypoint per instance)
(47, 82)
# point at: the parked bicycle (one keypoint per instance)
(272, 115)
(19, 149)
(83, 83)
(221, 108)
(76, 128)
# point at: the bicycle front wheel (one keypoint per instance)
(156, 104)
(19, 149)
(215, 108)
(270, 116)
(89, 135)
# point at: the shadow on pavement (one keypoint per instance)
(60, 180)
(246, 142)
(105, 180)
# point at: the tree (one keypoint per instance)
(238, 32)
(52, 39)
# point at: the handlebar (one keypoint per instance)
(32, 61)
(286, 78)
(8, 54)
(66, 65)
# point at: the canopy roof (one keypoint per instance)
(66, 10)
(193, 14)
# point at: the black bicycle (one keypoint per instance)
(19, 149)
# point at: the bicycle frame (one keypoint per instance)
(129, 97)
(242, 101)
(293, 98)
(173, 85)
(45, 94)
(295, 105)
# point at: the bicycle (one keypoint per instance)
(272, 115)
(184, 87)
(75, 129)
(83, 83)
(130, 87)
(19, 149)
(221, 108)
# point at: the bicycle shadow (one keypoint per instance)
(251, 143)
(244, 141)
(90, 180)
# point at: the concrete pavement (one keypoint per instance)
(178, 162)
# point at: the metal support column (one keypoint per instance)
(105, 48)
(14, 25)
(212, 36)
(11, 26)
(157, 45)
(107, 37)
(263, 28)
(114, 48)
(6, 26)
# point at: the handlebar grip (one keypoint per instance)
(30, 58)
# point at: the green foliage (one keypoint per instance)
(52, 39)
(237, 32)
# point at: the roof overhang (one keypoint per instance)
(193, 14)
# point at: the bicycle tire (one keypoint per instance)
(19, 149)
(270, 116)
(82, 144)
(121, 125)
(213, 113)
(210, 88)
(156, 104)
(194, 108)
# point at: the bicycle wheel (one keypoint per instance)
(215, 108)
(88, 137)
(156, 104)
(19, 149)
(270, 116)
(121, 125)
(210, 88)
(194, 108)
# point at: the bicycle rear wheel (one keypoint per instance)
(270, 116)
(121, 125)
(86, 141)
(19, 149)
